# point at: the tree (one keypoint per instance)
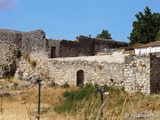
(105, 35)
(146, 27)
(158, 36)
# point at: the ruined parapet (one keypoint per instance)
(69, 48)
(10, 37)
(13, 44)
(25, 41)
(87, 46)
(34, 41)
(97, 44)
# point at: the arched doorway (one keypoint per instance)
(80, 78)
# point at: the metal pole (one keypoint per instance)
(1, 106)
(101, 90)
(101, 108)
(39, 99)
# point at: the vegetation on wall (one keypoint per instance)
(32, 63)
(146, 27)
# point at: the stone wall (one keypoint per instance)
(10, 37)
(69, 48)
(75, 48)
(7, 53)
(87, 46)
(155, 74)
(10, 41)
(26, 41)
(34, 41)
(100, 72)
(53, 43)
(82, 46)
(14, 42)
(96, 69)
(102, 44)
(142, 73)
(137, 74)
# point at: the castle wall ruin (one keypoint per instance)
(96, 70)
(73, 62)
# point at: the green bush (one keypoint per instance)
(72, 98)
(80, 94)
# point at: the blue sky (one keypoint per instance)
(66, 19)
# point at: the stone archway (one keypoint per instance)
(80, 78)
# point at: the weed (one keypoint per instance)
(66, 85)
(17, 53)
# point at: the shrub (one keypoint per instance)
(82, 93)
(72, 98)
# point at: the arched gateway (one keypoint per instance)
(80, 78)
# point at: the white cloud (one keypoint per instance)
(7, 4)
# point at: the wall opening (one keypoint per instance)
(53, 52)
(80, 78)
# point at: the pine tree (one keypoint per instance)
(146, 27)
(105, 35)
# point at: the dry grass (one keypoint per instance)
(116, 105)
(24, 106)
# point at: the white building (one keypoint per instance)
(146, 49)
